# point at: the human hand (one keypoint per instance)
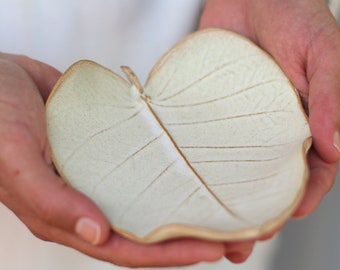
(303, 37)
(52, 210)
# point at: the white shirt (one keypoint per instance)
(111, 32)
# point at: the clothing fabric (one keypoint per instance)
(113, 33)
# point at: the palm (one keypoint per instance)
(32, 190)
(24, 158)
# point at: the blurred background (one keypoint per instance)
(309, 244)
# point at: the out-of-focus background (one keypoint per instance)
(309, 244)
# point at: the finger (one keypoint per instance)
(221, 14)
(123, 252)
(321, 180)
(171, 253)
(43, 75)
(238, 252)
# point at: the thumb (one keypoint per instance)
(324, 108)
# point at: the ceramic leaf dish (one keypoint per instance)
(213, 146)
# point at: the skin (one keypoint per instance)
(304, 39)
(301, 35)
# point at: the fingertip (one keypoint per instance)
(238, 257)
(238, 252)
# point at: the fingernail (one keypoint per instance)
(336, 140)
(88, 230)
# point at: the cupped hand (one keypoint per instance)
(52, 210)
(304, 38)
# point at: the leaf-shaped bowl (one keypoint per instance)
(214, 146)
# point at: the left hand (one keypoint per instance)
(304, 38)
(52, 210)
